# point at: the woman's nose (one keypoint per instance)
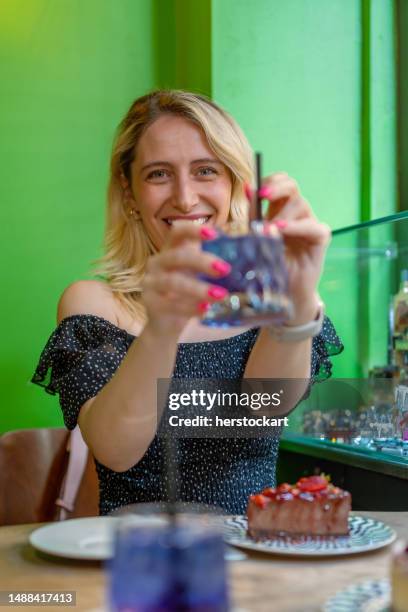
(186, 196)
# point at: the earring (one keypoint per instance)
(135, 214)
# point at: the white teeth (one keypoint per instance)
(199, 221)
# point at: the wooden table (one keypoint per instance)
(261, 583)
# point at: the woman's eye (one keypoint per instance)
(157, 174)
(207, 171)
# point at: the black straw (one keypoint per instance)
(258, 161)
(171, 471)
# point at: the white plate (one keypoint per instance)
(365, 534)
(83, 538)
(365, 596)
(91, 539)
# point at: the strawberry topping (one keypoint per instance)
(284, 488)
(260, 500)
(312, 484)
(269, 492)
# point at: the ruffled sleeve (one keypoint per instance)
(325, 345)
(80, 357)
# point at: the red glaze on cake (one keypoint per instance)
(312, 506)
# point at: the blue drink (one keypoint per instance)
(257, 283)
(159, 566)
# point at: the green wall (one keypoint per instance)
(182, 44)
(298, 75)
(290, 73)
(379, 182)
(69, 69)
(402, 24)
(313, 84)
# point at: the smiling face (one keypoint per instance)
(175, 175)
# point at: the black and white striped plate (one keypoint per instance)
(369, 596)
(365, 534)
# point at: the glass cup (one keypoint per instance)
(258, 282)
(168, 564)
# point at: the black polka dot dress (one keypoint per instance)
(82, 355)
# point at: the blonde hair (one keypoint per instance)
(126, 244)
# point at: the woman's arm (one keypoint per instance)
(306, 240)
(271, 359)
(120, 422)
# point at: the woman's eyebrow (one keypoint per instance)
(156, 163)
(204, 160)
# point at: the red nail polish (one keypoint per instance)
(208, 233)
(216, 292)
(281, 224)
(248, 192)
(265, 192)
(203, 307)
(222, 267)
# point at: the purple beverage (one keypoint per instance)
(168, 567)
(258, 281)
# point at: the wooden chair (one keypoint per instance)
(37, 470)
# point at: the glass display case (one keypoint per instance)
(360, 416)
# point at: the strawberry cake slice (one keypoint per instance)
(311, 507)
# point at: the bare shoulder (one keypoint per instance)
(87, 297)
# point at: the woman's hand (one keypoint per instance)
(172, 294)
(306, 241)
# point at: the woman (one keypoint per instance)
(179, 169)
